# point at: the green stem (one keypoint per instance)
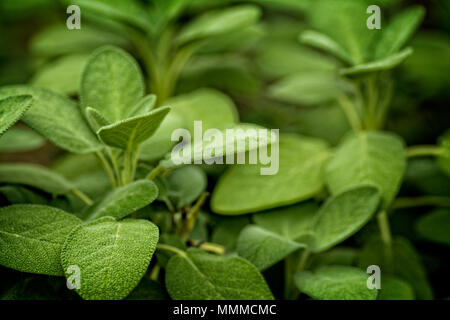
(127, 166)
(113, 159)
(370, 110)
(107, 168)
(172, 249)
(350, 112)
(155, 272)
(385, 230)
(212, 247)
(82, 196)
(401, 203)
(424, 151)
(189, 223)
(156, 171)
(384, 107)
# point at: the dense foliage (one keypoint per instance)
(86, 179)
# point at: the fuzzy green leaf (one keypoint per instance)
(96, 119)
(290, 222)
(20, 140)
(309, 89)
(31, 237)
(335, 283)
(323, 42)
(435, 226)
(125, 200)
(264, 248)
(143, 106)
(376, 158)
(129, 133)
(343, 215)
(35, 176)
(112, 255)
(12, 109)
(111, 83)
(186, 184)
(21, 195)
(393, 288)
(383, 64)
(398, 32)
(242, 189)
(57, 118)
(220, 22)
(198, 275)
(62, 75)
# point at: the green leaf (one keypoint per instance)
(128, 11)
(216, 23)
(242, 189)
(197, 275)
(443, 159)
(335, 283)
(291, 222)
(279, 59)
(368, 158)
(12, 109)
(393, 288)
(32, 237)
(310, 89)
(57, 39)
(129, 133)
(20, 140)
(112, 255)
(143, 106)
(227, 231)
(323, 42)
(57, 118)
(125, 200)
(35, 176)
(160, 142)
(21, 195)
(402, 261)
(96, 119)
(435, 226)
(214, 147)
(62, 75)
(264, 248)
(383, 64)
(399, 30)
(343, 215)
(111, 83)
(186, 184)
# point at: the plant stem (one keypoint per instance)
(424, 151)
(370, 110)
(189, 222)
(350, 112)
(82, 196)
(107, 168)
(113, 159)
(438, 201)
(385, 230)
(156, 171)
(155, 272)
(172, 249)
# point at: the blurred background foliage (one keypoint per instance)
(253, 65)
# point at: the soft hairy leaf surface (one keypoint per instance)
(220, 22)
(35, 176)
(264, 248)
(199, 275)
(398, 31)
(12, 109)
(125, 200)
(393, 288)
(96, 119)
(290, 222)
(343, 215)
(435, 226)
(383, 64)
(186, 184)
(242, 189)
(335, 283)
(57, 118)
(129, 133)
(112, 255)
(20, 140)
(31, 237)
(111, 83)
(367, 158)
